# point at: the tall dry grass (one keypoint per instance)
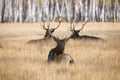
(93, 60)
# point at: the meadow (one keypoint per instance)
(94, 60)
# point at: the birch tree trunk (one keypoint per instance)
(76, 11)
(102, 17)
(16, 10)
(68, 9)
(24, 13)
(94, 11)
(20, 11)
(86, 11)
(2, 6)
(82, 8)
(107, 10)
(46, 10)
(116, 11)
(59, 8)
(50, 10)
(6, 11)
(29, 11)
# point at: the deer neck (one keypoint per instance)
(60, 49)
(74, 35)
(47, 35)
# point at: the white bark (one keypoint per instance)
(16, 11)
(29, 11)
(93, 11)
(46, 10)
(59, 8)
(49, 10)
(1, 6)
(68, 10)
(6, 13)
(76, 12)
(82, 8)
(102, 16)
(86, 10)
(20, 11)
(116, 11)
(10, 11)
(97, 10)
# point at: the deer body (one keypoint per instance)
(85, 37)
(75, 35)
(47, 35)
(57, 54)
(59, 49)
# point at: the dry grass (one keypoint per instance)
(93, 60)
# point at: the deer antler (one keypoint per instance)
(83, 25)
(44, 26)
(48, 25)
(72, 26)
(58, 24)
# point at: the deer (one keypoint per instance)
(57, 53)
(47, 35)
(75, 34)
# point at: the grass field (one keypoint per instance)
(93, 60)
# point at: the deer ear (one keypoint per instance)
(78, 31)
(52, 30)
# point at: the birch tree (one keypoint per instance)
(16, 10)
(82, 8)
(50, 10)
(29, 10)
(2, 5)
(68, 10)
(59, 8)
(20, 11)
(86, 11)
(116, 11)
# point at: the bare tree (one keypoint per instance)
(75, 34)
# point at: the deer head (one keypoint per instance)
(60, 44)
(75, 33)
(49, 30)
